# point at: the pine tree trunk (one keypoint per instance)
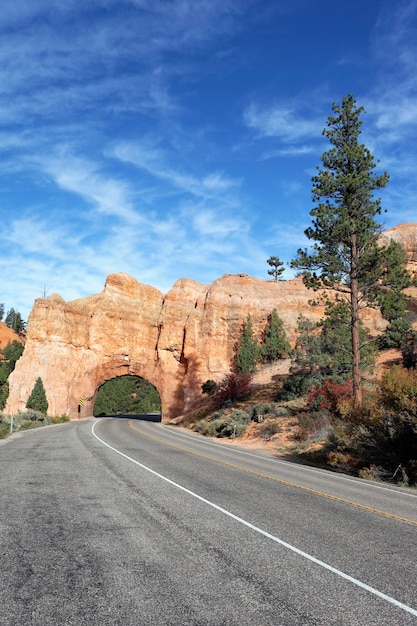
(356, 353)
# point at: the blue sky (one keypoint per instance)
(178, 138)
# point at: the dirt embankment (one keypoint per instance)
(7, 335)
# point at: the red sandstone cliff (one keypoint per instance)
(176, 341)
(7, 335)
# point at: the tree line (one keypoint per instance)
(13, 319)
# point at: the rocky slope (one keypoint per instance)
(7, 335)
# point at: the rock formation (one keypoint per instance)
(176, 341)
(406, 234)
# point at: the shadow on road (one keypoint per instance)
(145, 417)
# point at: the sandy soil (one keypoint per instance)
(7, 335)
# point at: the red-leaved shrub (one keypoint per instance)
(233, 387)
(329, 395)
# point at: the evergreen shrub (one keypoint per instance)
(209, 387)
(37, 399)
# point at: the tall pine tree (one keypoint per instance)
(247, 353)
(345, 254)
(37, 399)
(274, 343)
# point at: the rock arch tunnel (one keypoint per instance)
(115, 368)
(74, 347)
(127, 395)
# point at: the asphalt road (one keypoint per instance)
(126, 522)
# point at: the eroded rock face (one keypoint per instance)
(176, 341)
(406, 234)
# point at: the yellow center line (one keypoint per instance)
(281, 481)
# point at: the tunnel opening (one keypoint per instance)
(128, 396)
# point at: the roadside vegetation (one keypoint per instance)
(26, 420)
(331, 409)
(323, 427)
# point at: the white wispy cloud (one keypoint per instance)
(153, 160)
(281, 121)
(207, 223)
(47, 78)
(37, 236)
(82, 177)
(290, 151)
(393, 98)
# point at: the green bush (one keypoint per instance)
(280, 411)
(234, 425)
(295, 386)
(4, 430)
(217, 415)
(33, 415)
(24, 420)
(259, 410)
(28, 424)
(209, 387)
(60, 419)
(207, 428)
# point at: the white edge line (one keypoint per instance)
(305, 555)
(358, 481)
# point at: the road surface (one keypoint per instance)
(126, 522)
